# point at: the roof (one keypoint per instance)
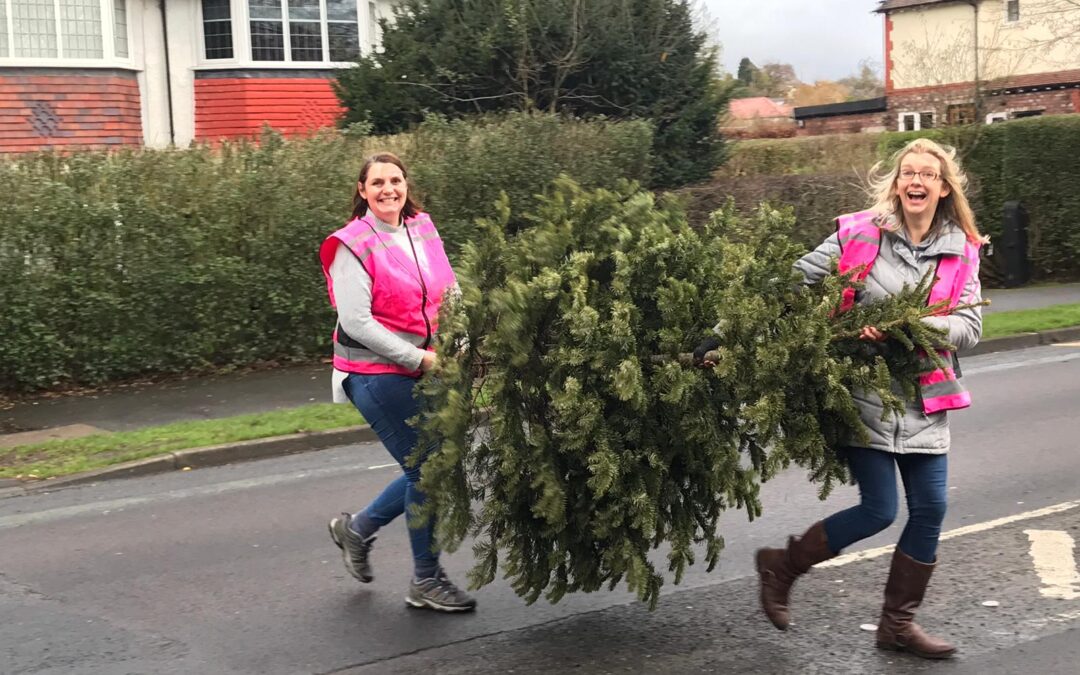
(869, 105)
(1053, 80)
(890, 5)
(758, 107)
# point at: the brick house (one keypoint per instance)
(159, 72)
(758, 117)
(965, 61)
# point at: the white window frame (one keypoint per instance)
(1005, 12)
(917, 116)
(1000, 116)
(241, 26)
(108, 59)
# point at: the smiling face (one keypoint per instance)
(919, 185)
(385, 189)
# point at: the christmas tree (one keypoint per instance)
(574, 440)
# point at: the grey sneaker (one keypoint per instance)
(440, 594)
(354, 550)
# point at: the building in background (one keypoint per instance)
(758, 117)
(158, 72)
(951, 62)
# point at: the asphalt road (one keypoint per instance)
(230, 570)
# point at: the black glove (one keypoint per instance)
(707, 345)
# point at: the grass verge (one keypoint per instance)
(63, 457)
(1000, 324)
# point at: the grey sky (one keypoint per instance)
(823, 39)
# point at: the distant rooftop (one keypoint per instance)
(758, 107)
(869, 105)
(890, 5)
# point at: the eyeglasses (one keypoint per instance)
(926, 175)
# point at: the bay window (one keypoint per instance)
(282, 31)
(69, 30)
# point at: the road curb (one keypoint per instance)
(1024, 341)
(277, 446)
(215, 455)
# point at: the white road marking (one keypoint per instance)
(1067, 344)
(381, 466)
(176, 495)
(1055, 563)
(1064, 617)
(997, 367)
(872, 553)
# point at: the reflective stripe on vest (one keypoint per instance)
(399, 301)
(860, 241)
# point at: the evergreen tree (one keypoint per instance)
(622, 59)
(747, 71)
(600, 445)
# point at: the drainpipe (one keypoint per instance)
(978, 75)
(168, 71)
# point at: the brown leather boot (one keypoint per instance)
(778, 568)
(897, 630)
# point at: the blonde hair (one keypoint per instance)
(953, 207)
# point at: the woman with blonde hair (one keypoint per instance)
(920, 221)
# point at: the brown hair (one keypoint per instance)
(359, 204)
(953, 207)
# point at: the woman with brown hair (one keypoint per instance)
(387, 275)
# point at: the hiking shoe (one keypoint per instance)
(440, 594)
(354, 549)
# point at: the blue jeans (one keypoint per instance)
(924, 478)
(387, 402)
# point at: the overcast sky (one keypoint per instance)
(823, 39)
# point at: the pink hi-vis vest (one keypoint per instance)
(404, 299)
(860, 241)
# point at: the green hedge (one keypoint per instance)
(147, 262)
(837, 154)
(462, 165)
(1031, 160)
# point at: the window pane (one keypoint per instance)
(120, 27)
(344, 41)
(305, 39)
(373, 25)
(307, 10)
(217, 29)
(34, 22)
(3, 29)
(264, 9)
(80, 26)
(341, 10)
(216, 10)
(267, 41)
(926, 120)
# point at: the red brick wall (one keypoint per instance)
(68, 108)
(842, 124)
(1052, 102)
(230, 107)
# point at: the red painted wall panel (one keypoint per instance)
(39, 112)
(239, 107)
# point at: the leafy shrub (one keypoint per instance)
(144, 262)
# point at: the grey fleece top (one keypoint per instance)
(901, 263)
